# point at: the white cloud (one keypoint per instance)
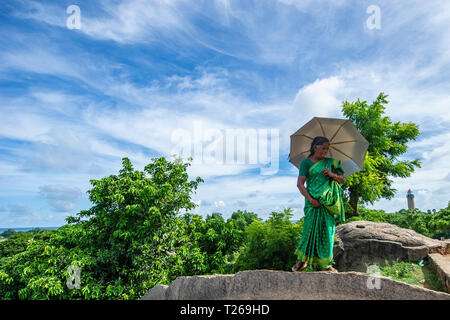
(61, 198)
(50, 14)
(240, 203)
(22, 215)
(40, 60)
(320, 98)
(312, 5)
(134, 20)
(23, 126)
(175, 24)
(219, 204)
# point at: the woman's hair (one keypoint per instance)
(317, 141)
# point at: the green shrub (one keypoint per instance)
(270, 244)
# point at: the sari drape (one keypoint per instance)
(317, 240)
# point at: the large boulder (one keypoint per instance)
(362, 243)
(441, 265)
(277, 285)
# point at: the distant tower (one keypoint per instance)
(410, 197)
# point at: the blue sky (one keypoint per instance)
(75, 101)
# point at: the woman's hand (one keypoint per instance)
(327, 173)
(337, 177)
(315, 202)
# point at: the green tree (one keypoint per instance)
(243, 218)
(435, 225)
(132, 224)
(270, 244)
(218, 241)
(130, 240)
(387, 140)
(8, 233)
(18, 241)
(370, 215)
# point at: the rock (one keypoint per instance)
(441, 265)
(366, 242)
(447, 241)
(156, 293)
(280, 285)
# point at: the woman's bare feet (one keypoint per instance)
(331, 269)
(299, 266)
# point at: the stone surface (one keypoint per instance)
(366, 242)
(447, 241)
(281, 285)
(441, 265)
(156, 293)
(361, 243)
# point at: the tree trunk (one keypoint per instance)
(354, 197)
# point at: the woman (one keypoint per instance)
(323, 206)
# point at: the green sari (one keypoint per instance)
(316, 244)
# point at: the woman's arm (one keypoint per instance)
(338, 177)
(301, 186)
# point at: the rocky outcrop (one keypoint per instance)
(365, 242)
(280, 285)
(441, 266)
(360, 245)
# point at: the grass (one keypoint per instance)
(412, 273)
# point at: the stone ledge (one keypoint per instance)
(441, 265)
(362, 243)
(284, 285)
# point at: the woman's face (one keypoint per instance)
(322, 150)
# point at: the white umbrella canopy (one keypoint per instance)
(346, 143)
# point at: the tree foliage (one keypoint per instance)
(270, 244)
(135, 236)
(434, 225)
(128, 241)
(7, 233)
(387, 141)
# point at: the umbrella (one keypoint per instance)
(346, 142)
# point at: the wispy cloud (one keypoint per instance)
(60, 198)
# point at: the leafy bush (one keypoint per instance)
(435, 225)
(135, 237)
(217, 240)
(127, 242)
(7, 233)
(270, 244)
(17, 241)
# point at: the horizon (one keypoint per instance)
(225, 218)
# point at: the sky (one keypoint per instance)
(85, 83)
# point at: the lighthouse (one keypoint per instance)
(410, 198)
